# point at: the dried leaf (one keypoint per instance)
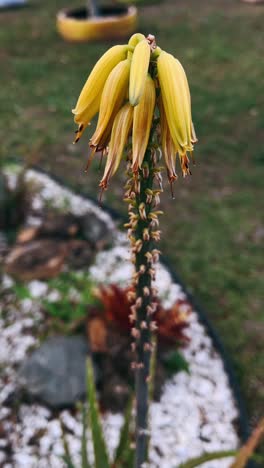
(97, 334)
(248, 449)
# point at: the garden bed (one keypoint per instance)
(197, 410)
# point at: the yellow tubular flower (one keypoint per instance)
(176, 100)
(104, 139)
(98, 76)
(84, 118)
(139, 71)
(122, 88)
(134, 40)
(156, 52)
(142, 121)
(119, 136)
(112, 98)
(168, 147)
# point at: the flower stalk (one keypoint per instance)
(141, 226)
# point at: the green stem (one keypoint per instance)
(143, 319)
(142, 198)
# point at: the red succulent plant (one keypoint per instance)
(115, 311)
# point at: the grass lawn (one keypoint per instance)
(213, 231)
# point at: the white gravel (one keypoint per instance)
(197, 409)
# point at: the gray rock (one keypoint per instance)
(55, 372)
(96, 231)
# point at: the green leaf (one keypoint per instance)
(67, 456)
(100, 451)
(127, 460)
(175, 362)
(84, 454)
(123, 452)
(207, 457)
(68, 461)
(21, 291)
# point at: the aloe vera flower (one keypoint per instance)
(150, 85)
(142, 98)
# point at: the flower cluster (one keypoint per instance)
(130, 86)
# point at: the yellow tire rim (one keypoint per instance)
(112, 26)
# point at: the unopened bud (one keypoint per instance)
(154, 306)
(156, 200)
(154, 223)
(135, 277)
(149, 195)
(131, 296)
(145, 171)
(149, 256)
(154, 157)
(154, 291)
(155, 255)
(138, 245)
(148, 347)
(132, 318)
(150, 310)
(135, 333)
(133, 309)
(159, 179)
(137, 186)
(142, 211)
(143, 325)
(155, 235)
(146, 291)
(153, 326)
(152, 273)
(133, 216)
(133, 347)
(146, 235)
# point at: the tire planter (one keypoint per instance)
(114, 22)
